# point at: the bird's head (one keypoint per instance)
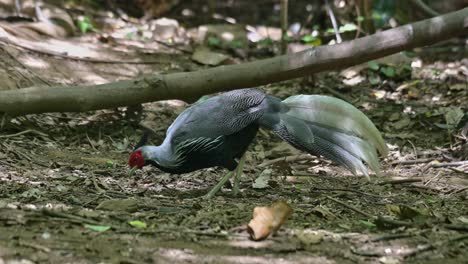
(143, 156)
(137, 160)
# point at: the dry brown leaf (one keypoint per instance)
(267, 220)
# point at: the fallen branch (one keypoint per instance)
(189, 86)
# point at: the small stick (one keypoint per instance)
(34, 246)
(284, 26)
(348, 190)
(71, 217)
(90, 142)
(409, 162)
(333, 20)
(433, 178)
(349, 206)
(292, 158)
(449, 164)
(426, 247)
(458, 227)
(458, 170)
(391, 237)
(400, 181)
(25, 132)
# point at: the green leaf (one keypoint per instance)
(348, 27)
(214, 41)
(236, 44)
(130, 35)
(435, 72)
(443, 126)
(311, 40)
(388, 71)
(97, 228)
(430, 200)
(407, 67)
(266, 42)
(308, 38)
(410, 54)
(373, 65)
(138, 224)
(287, 38)
(374, 79)
(367, 223)
(84, 24)
(110, 163)
(453, 116)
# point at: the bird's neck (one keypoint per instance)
(155, 152)
(161, 155)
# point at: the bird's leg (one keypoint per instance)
(237, 175)
(218, 186)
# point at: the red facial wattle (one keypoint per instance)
(136, 159)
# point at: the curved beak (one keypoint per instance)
(132, 170)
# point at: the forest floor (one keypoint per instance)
(66, 197)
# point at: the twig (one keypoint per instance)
(333, 20)
(400, 181)
(426, 247)
(70, 57)
(170, 230)
(28, 69)
(365, 253)
(359, 23)
(90, 142)
(458, 170)
(458, 227)
(461, 190)
(25, 132)
(33, 245)
(12, 165)
(432, 179)
(425, 8)
(346, 190)
(392, 222)
(167, 45)
(409, 162)
(339, 95)
(349, 206)
(414, 149)
(71, 217)
(390, 237)
(292, 158)
(4, 120)
(449, 164)
(284, 26)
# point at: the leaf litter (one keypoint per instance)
(65, 195)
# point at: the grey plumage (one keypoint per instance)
(218, 130)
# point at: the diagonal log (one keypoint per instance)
(190, 85)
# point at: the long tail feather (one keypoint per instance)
(335, 113)
(346, 150)
(333, 128)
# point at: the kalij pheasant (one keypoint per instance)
(219, 130)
